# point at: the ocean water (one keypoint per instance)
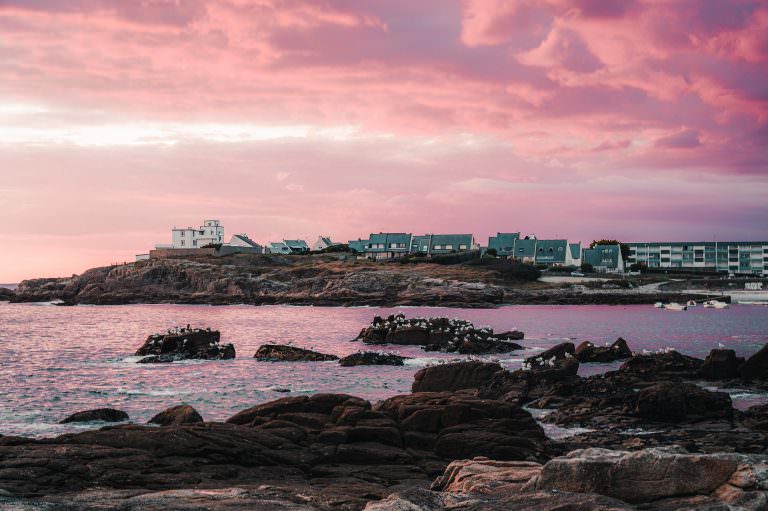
(55, 361)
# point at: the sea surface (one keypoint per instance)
(55, 361)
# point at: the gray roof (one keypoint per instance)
(551, 251)
(387, 239)
(503, 242)
(296, 244)
(575, 249)
(525, 248)
(603, 256)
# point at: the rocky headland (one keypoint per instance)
(322, 280)
(659, 435)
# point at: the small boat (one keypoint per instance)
(716, 304)
(674, 306)
(659, 305)
(691, 303)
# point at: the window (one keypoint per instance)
(194, 243)
(182, 233)
(182, 243)
(462, 247)
(438, 247)
(449, 247)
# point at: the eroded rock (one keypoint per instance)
(98, 414)
(372, 358)
(587, 352)
(177, 415)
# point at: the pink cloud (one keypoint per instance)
(119, 115)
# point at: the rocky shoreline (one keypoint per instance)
(315, 280)
(656, 434)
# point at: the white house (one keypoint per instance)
(243, 241)
(190, 237)
(322, 243)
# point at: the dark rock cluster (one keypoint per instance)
(285, 353)
(372, 358)
(439, 334)
(184, 343)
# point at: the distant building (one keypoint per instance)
(357, 246)
(744, 257)
(432, 244)
(322, 243)
(503, 243)
(385, 245)
(551, 252)
(211, 232)
(604, 258)
(243, 241)
(288, 247)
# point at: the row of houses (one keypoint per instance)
(732, 257)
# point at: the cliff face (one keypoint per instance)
(270, 279)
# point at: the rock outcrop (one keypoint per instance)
(176, 416)
(756, 366)
(185, 344)
(587, 352)
(455, 376)
(98, 414)
(367, 358)
(721, 364)
(284, 353)
(438, 334)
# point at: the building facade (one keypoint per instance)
(322, 243)
(288, 247)
(211, 232)
(384, 245)
(737, 257)
(433, 244)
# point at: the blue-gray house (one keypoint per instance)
(432, 244)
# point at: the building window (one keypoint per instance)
(449, 247)
(182, 233)
(462, 247)
(182, 243)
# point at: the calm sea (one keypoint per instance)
(58, 360)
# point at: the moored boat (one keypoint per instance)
(674, 306)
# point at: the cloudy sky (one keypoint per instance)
(635, 120)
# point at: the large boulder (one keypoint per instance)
(756, 366)
(455, 376)
(177, 415)
(674, 402)
(483, 475)
(635, 477)
(185, 343)
(98, 414)
(721, 364)
(364, 358)
(457, 425)
(663, 365)
(284, 353)
(587, 352)
(439, 334)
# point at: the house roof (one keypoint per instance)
(326, 240)
(388, 238)
(551, 251)
(603, 255)
(525, 248)
(575, 250)
(296, 244)
(503, 241)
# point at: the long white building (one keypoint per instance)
(196, 237)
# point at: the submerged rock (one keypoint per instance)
(176, 415)
(362, 358)
(587, 352)
(184, 344)
(98, 414)
(438, 334)
(284, 353)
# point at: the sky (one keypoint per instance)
(631, 119)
